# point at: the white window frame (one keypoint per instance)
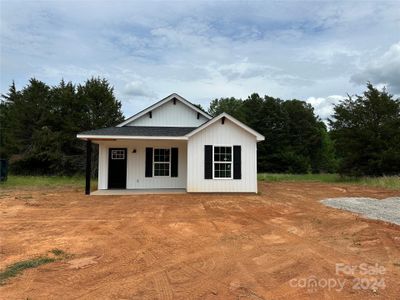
(117, 153)
(214, 162)
(161, 162)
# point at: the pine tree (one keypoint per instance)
(366, 132)
(39, 124)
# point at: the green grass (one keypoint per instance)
(44, 181)
(299, 177)
(18, 267)
(58, 252)
(390, 182)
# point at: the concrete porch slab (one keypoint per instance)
(114, 192)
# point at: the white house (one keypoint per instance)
(175, 145)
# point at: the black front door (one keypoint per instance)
(117, 168)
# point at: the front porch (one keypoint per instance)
(140, 166)
(122, 192)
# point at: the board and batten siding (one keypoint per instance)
(217, 134)
(136, 164)
(170, 115)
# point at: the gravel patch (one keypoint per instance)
(387, 209)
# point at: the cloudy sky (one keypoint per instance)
(317, 51)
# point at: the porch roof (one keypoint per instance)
(130, 132)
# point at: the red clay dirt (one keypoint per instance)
(197, 246)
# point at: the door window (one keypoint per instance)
(117, 154)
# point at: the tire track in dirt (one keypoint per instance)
(299, 239)
(161, 283)
(391, 248)
(189, 274)
(162, 286)
(242, 237)
(219, 247)
(191, 279)
(200, 270)
(323, 253)
(122, 261)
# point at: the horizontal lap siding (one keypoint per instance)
(136, 164)
(218, 134)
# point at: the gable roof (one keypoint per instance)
(132, 132)
(160, 132)
(258, 136)
(161, 102)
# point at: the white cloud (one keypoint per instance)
(245, 69)
(138, 88)
(323, 107)
(384, 70)
(202, 50)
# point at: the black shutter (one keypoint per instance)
(149, 162)
(174, 162)
(208, 161)
(237, 162)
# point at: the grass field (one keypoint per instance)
(390, 182)
(15, 181)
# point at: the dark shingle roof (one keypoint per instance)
(140, 131)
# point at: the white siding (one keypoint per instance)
(170, 114)
(222, 134)
(136, 164)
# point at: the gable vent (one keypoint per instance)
(150, 115)
(174, 101)
(222, 120)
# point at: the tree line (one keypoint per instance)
(39, 123)
(363, 136)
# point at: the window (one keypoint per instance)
(222, 162)
(162, 161)
(117, 154)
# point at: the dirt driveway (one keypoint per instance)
(198, 246)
